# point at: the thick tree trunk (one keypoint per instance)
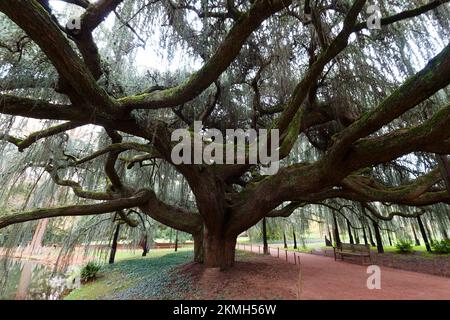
(265, 244)
(219, 251)
(389, 238)
(199, 252)
(378, 237)
(284, 240)
(424, 234)
(112, 255)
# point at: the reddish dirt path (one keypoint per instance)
(324, 278)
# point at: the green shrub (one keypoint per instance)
(404, 246)
(442, 246)
(89, 272)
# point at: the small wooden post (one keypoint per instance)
(295, 259)
(278, 252)
(286, 255)
(259, 249)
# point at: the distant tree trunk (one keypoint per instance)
(364, 235)
(112, 255)
(284, 239)
(372, 243)
(443, 231)
(378, 237)
(416, 240)
(389, 238)
(329, 235)
(424, 233)
(337, 239)
(445, 172)
(265, 244)
(144, 245)
(295, 237)
(430, 234)
(176, 241)
(356, 235)
(349, 230)
(38, 237)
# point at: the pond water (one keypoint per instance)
(24, 279)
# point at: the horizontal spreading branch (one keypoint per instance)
(76, 210)
(391, 215)
(172, 216)
(286, 211)
(407, 14)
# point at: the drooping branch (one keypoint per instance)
(291, 120)
(286, 211)
(23, 144)
(76, 210)
(110, 165)
(216, 65)
(373, 189)
(76, 187)
(391, 215)
(432, 78)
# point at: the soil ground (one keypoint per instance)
(266, 277)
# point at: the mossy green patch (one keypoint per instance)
(134, 277)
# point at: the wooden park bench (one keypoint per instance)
(352, 250)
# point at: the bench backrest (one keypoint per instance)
(354, 247)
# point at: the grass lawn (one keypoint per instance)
(136, 277)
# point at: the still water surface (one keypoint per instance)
(24, 279)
